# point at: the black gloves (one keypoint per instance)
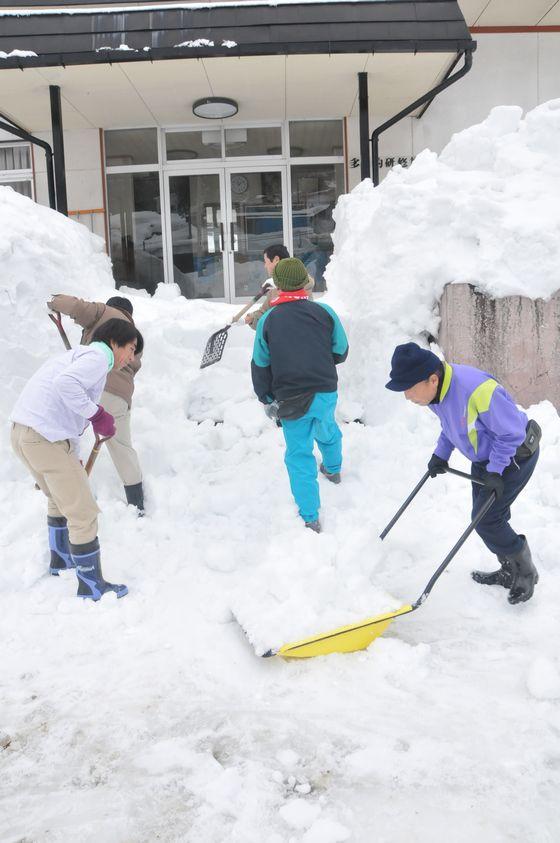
(493, 483)
(437, 465)
(271, 410)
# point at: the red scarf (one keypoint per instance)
(289, 295)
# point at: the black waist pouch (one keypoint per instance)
(296, 406)
(531, 443)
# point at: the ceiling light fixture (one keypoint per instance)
(215, 108)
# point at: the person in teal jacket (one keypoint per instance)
(298, 345)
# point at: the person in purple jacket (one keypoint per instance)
(481, 420)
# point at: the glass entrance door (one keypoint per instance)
(197, 228)
(219, 224)
(256, 204)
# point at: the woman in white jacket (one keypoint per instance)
(54, 409)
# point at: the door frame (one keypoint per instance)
(224, 171)
(168, 261)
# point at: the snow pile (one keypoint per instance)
(485, 211)
(41, 253)
(151, 717)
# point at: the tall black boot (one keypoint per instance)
(503, 576)
(135, 497)
(91, 585)
(525, 575)
(61, 559)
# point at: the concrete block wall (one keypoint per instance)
(84, 176)
(515, 339)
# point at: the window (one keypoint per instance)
(131, 147)
(259, 141)
(135, 230)
(23, 187)
(317, 138)
(16, 168)
(187, 146)
(315, 189)
(15, 158)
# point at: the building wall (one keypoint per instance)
(508, 69)
(84, 176)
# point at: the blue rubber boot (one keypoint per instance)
(61, 560)
(91, 585)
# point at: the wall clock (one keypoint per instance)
(239, 183)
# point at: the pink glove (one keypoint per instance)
(103, 423)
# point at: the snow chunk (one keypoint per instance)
(299, 814)
(198, 42)
(287, 757)
(326, 831)
(17, 53)
(122, 48)
(543, 680)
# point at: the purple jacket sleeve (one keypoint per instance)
(444, 447)
(506, 425)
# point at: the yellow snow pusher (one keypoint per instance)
(358, 636)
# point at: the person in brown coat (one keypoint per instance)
(271, 256)
(117, 396)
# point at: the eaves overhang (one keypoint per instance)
(80, 34)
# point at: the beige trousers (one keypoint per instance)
(120, 446)
(62, 478)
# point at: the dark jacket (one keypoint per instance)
(297, 346)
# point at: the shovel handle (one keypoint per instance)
(415, 491)
(58, 322)
(408, 501)
(99, 440)
(244, 310)
(466, 476)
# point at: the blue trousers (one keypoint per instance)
(317, 425)
(494, 529)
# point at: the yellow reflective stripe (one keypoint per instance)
(479, 402)
(447, 375)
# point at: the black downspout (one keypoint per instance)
(430, 95)
(58, 145)
(21, 133)
(365, 169)
(450, 70)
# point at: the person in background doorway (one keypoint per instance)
(481, 420)
(54, 409)
(298, 345)
(117, 396)
(271, 256)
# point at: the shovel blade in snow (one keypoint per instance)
(215, 347)
(344, 639)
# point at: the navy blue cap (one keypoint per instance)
(411, 364)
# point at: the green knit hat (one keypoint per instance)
(290, 274)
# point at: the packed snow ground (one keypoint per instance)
(153, 717)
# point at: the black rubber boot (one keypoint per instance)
(503, 577)
(334, 478)
(91, 585)
(525, 575)
(135, 497)
(314, 525)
